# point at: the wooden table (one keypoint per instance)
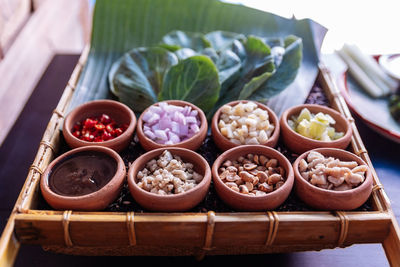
(20, 146)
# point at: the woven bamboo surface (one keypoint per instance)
(198, 234)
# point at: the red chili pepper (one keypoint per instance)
(99, 126)
(89, 123)
(105, 119)
(77, 133)
(117, 132)
(106, 136)
(109, 128)
(98, 129)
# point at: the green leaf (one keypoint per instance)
(286, 72)
(137, 77)
(258, 60)
(258, 54)
(254, 85)
(222, 40)
(195, 80)
(192, 40)
(119, 26)
(228, 65)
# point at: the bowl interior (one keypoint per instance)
(109, 153)
(181, 103)
(224, 143)
(236, 152)
(341, 124)
(339, 154)
(187, 156)
(116, 112)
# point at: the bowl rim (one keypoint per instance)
(176, 102)
(44, 181)
(326, 152)
(272, 117)
(284, 124)
(157, 152)
(289, 173)
(106, 102)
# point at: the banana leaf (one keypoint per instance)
(119, 26)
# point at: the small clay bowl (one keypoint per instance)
(117, 111)
(299, 143)
(98, 200)
(191, 143)
(323, 199)
(244, 202)
(178, 202)
(223, 143)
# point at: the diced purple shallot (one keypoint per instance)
(170, 124)
(183, 130)
(194, 113)
(156, 109)
(190, 120)
(186, 110)
(179, 118)
(160, 134)
(155, 127)
(150, 134)
(153, 119)
(165, 122)
(194, 128)
(163, 105)
(147, 115)
(173, 137)
(175, 127)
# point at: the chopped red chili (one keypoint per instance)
(98, 129)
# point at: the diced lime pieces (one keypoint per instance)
(331, 132)
(315, 126)
(292, 124)
(302, 128)
(338, 135)
(325, 137)
(304, 114)
(322, 118)
(316, 129)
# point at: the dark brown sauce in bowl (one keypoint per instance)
(82, 173)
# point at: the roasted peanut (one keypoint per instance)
(232, 169)
(227, 163)
(272, 163)
(247, 177)
(255, 159)
(265, 187)
(274, 178)
(262, 176)
(253, 174)
(279, 184)
(243, 189)
(249, 166)
(263, 160)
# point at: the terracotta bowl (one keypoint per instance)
(97, 200)
(191, 143)
(244, 202)
(299, 144)
(117, 111)
(323, 199)
(224, 144)
(179, 202)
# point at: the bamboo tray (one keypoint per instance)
(198, 234)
